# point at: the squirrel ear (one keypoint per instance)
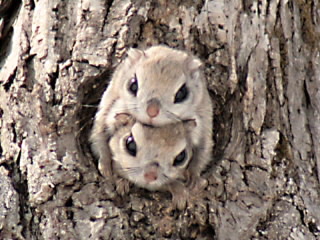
(193, 64)
(190, 124)
(135, 54)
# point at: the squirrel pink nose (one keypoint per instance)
(153, 110)
(153, 107)
(151, 176)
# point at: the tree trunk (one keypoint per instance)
(262, 63)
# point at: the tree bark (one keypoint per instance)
(262, 63)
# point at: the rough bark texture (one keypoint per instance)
(262, 63)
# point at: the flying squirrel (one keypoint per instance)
(157, 87)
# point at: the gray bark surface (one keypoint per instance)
(262, 63)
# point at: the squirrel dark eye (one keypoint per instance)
(131, 146)
(182, 94)
(180, 158)
(133, 85)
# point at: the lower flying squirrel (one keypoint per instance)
(157, 86)
(155, 158)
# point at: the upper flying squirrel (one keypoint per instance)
(157, 86)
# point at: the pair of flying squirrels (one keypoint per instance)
(154, 122)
